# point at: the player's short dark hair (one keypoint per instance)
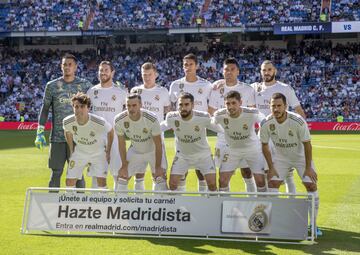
(186, 95)
(134, 96)
(70, 56)
(233, 94)
(191, 56)
(82, 98)
(105, 62)
(149, 66)
(279, 96)
(231, 61)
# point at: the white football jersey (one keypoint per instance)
(247, 93)
(90, 139)
(264, 93)
(200, 89)
(190, 135)
(153, 99)
(139, 132)
(287, 137)
(107, 102)
(240, 132)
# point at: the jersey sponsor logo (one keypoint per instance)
(245, 127)
(113, 97)
(126, 124)
(71, 164)
(197, 128)
(92, 133)
(74, 128)
(200, 91)
(96, 92)
(259, 219)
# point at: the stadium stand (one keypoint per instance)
(27, 15)
(326, 77)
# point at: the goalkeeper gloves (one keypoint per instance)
(40, 140)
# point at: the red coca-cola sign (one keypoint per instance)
(334, 126)
(22, 125)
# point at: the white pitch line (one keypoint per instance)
(336, 148)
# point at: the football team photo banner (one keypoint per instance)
(167, 214)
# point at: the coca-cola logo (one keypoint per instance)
(27, 126)
(347, 126)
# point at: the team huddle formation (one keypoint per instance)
(261, 129)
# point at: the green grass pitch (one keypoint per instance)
(337, 158)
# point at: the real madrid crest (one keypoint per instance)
(291, 132)
(272, 127)
(157, 97)
(92, 133)
(181, 86)
(259, 219)
(126, 124)
(71, 164)
(226, 122)
(197, 128)
(145, 131)
(74, 128)
(96, 92)
(222, 91)
(59, 86)
(177, 124)
(113, 98)
(245, 127)
(138, 91)
(200, 91)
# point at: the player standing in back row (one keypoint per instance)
(265, 90)
(107, 101)
(200, 89)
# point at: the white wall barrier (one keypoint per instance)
(229, 216)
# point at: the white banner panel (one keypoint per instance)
(165, 214)
(246, 217)
(346, 27)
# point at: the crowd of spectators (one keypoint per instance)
(60, 15)
(325, 77)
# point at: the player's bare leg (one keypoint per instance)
(101, 182)
(260, 182)
(248, 179)
(201, 181)
(174, 181)
(211, 181)
(224, 180)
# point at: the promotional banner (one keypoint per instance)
(334, 126)
(302, 28)
(16, 125)
(346, 27)
(225, 216)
